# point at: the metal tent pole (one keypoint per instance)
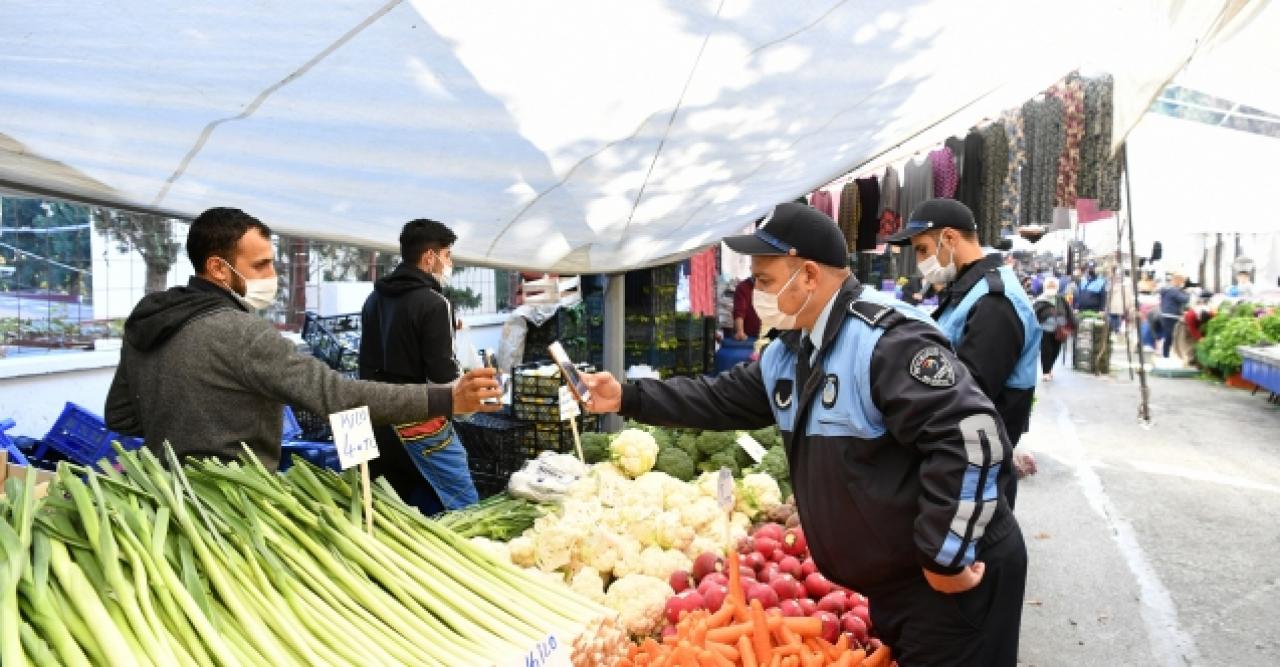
(1144, 407)
(615, 303)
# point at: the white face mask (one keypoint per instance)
(771, 316)
(445, 274)
(259, 293)
(934, 272)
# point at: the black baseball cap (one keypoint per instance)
(795, 230)
(934, 214)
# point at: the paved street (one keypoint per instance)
(1151, 547)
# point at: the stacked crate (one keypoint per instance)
(535, 399)
(568, 326)
(651, 319)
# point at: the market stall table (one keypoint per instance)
(1262, 367)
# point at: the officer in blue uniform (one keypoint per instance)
(896, 455)
(984, 311)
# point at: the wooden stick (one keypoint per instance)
(368, 497)
(577, 442)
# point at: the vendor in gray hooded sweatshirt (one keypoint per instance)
(201, 371)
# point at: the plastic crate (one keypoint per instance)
(83, 437)
(8, 445)
(311, 426)
(531, 388)
(323, 454)
(291, 430)
(334, 340)
(493, 444)
(555, 436)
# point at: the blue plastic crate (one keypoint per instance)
(83, 436)
(8, 445)
(322, 454)
(292, 431)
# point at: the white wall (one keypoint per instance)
(34, 389)
(120, 278)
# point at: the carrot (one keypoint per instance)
(803, 626)
(760, 634)
(786, 636)
(880, 658)
(710, 658)
(729, 633)
(776, 661)
(685, 655)
(851, 658)
(723, 615)
(788, 650)
(842, 645)
(735, 579)
(725, 650)
(747, 654)
(791, 661)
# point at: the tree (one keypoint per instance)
(150, 235)
(46, 243)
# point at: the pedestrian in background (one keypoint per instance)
(1173, 301)
(1057, 323)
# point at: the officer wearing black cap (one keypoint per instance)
(895, 453)
(983, 309)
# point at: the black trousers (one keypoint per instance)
(1049, 349)
(978, 627)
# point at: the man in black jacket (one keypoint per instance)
(408, 337)
(896, 455)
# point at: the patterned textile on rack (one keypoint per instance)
(890, 213)
(995, 166)
(849, 213)
(821, 200)
(1011, 189)
(1042, 123)
(945, 176)
(970, 161)
(1071, 92)
(1099, 174)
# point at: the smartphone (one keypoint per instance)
(488, 360)
(569, 371)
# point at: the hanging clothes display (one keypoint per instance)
(821, 200)
(1070, 91)
(869, 221)
(945, 177)
(702, 282)
(917, 185)
(849, 213)
(1011, 189)
(1042, 123)
(1099, 176)
(995, 167)
(970, 161)
(890, 213)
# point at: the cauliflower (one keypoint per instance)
(599, 551)
(758, 493)
(774, 464)
(702, 514)
(610, 483)
(521, 550)
(629, 560)
(589, 584)
(701, 545)
(555, 547)
(671, 532)
(635, 451)
(708, 484)
(680, 497)
(640, 601)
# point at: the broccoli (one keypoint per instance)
(768, 437)
(595, 446)
(662, 436)
(721, 459)
(675, 462)
(689, 443)
(774, 464)
(712, 442)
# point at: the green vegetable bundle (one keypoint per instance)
(500, 517)
(217, 564)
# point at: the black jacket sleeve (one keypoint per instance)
(992, 342)
(735, 399)
(931, 403)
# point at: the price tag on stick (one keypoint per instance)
(569, 412)
(724, 494)
(353, 438)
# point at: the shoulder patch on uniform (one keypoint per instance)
(933, 368)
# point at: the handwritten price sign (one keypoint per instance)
(353, 436)
(548, 653)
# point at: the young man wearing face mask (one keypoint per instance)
(407, 336)
(895, 453)
(203, 372)
(983, 310)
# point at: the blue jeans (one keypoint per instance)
(442, 460)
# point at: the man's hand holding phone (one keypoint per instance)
(606, 392)
(475, 391)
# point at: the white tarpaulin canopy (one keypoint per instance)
(574, 135)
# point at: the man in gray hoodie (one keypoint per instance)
(201, 371)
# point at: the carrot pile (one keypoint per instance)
(742, 635)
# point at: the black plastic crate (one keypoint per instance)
(312, 426)
(494, 444)
(555, 436)
(543, 389)
(566, 323)
(334, 340)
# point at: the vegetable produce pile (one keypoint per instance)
(741, 631)
(217, 564)
(775, 569)
(685, 453)
(624, 528)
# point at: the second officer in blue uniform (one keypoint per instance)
(983, 310)
(897, 459)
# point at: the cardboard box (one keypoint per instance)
(7, 470)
